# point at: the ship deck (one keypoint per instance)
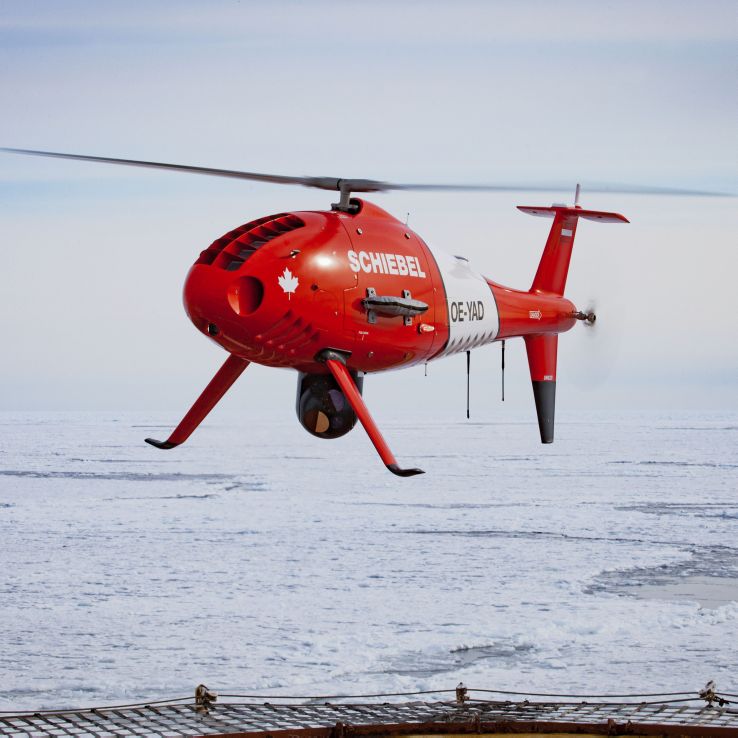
(341, 720)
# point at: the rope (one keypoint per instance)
(681, 697)
(334, 696)
(602, 696)
(621, 704)
(97, 708)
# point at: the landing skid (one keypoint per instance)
(211, 395)
(336, 363)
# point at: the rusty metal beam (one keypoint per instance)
(610, 728)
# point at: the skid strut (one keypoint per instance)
(211, 395)
(337, 365)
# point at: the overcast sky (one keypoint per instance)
(94, 257)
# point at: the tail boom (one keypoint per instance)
(525, 313)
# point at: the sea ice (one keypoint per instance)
(274, 563)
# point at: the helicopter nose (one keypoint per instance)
(226, 283)
(222, 306)
(271, 290)
(247, 310)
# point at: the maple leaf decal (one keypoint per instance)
(288, 282)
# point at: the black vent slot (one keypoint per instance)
(245, 241)
(211, 252)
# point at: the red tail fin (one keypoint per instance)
(551, 279)
(542, 350)
(554, 265)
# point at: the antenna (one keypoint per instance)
(576, 195)
(407, 218)
(503, 370)
(468, 366)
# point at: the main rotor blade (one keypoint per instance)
(323, 183)
(556, 187)
(369, 185)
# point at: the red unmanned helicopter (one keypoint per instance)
(350, 291)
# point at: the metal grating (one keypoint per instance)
(343, 720)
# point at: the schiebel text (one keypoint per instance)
(377, 262)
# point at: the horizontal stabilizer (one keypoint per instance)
(554, 265)
(551, 212)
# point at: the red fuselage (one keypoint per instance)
(279, 290)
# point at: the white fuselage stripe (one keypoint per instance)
(473, 319)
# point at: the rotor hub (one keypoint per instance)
(588, 318)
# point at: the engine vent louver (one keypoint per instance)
(236, 246)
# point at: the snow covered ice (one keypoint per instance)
(273, 563)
